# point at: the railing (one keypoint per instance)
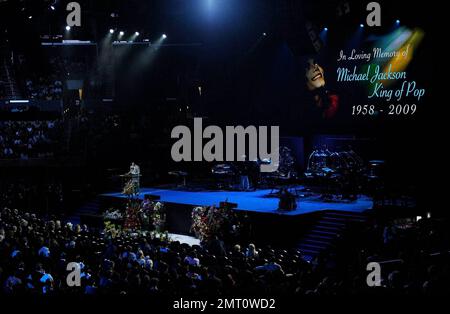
(42, 105)
(399, 260)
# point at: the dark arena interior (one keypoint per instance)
(257, 150)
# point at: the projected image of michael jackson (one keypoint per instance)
(326, 103)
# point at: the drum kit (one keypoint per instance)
(337, 171)
(227, 175)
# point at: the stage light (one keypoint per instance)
(111, 31)
(52, 7)
(30, 17)
(164, 36)
(264, 34)
(361, 25)
(136, 33)
(397, 21)
(67, 28)
(323, 35)
(121, 33)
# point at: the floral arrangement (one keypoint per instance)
(211, 221)
(132, 220)
(163, 236)
(112, 214)
(138, 217)
(153, 215)
(112, 230)
(130, 188)
(158, 216)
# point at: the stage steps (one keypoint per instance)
(325, 231)
(90, 208)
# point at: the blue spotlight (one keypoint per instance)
(397, 21)
(164, 36)
(361, 25)
(136, 33)
(111, 31)
(323, 35)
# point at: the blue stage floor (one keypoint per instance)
(255, 201)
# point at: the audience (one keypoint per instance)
(28, 139)
(34, 253)
(44, 89)
(32, 196)
(48, 84)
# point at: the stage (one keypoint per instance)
(258, 210)
(258, 201)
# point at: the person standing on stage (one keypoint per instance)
(135, 174)
(244, 174)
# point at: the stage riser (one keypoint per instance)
(256, 227)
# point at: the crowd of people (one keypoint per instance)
(44, 88)
(28, 139)
(68, 68)
(34, 253)
(39, 198)
(48, 85)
